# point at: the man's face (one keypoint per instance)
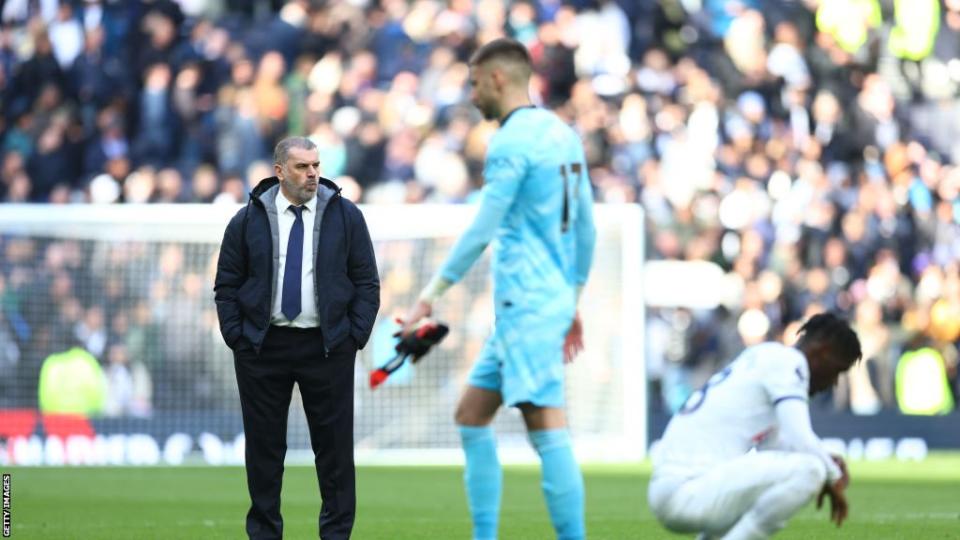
(825, 368)
(300, 175)
(484, 93)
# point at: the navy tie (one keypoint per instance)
(293, 268)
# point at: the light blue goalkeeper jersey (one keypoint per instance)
(537, 204)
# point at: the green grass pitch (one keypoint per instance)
(889, 500)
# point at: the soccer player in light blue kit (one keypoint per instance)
(537, 204)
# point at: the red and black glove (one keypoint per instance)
(413, 346)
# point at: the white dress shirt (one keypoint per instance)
(308, 306)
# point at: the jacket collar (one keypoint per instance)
(265, 192)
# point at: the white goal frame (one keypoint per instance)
(626, 439)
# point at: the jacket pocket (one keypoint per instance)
(339, 295)
(250, 295)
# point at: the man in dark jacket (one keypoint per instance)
(297, 293)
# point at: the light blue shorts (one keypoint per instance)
(523, 360)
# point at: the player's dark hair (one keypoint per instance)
(831, 329)
(502, 49)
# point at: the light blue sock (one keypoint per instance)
(482, 478)
(562, 482)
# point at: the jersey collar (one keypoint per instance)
(509, 114)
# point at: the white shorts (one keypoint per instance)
(712, 501)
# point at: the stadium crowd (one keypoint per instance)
(810, 149)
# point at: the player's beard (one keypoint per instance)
(489, 110)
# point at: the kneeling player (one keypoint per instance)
(706, 479)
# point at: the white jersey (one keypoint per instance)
(734, 411)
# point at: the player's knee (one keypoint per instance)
(811, 472)
(465, 416)
(676, 515)
(461, 417)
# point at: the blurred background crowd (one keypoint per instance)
(808, 148)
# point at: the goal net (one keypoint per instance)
(133, 285)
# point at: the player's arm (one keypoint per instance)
(796, 434)
(503, 175)
(586, 232)
(586, 238)
(787, 383)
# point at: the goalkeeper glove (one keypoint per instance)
(414, 346)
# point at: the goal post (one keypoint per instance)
(135, 283)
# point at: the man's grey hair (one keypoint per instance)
(282, 151)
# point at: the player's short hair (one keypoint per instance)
(282, 151)
(829, 328)
(504, 50)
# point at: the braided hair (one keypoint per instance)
(831, 329)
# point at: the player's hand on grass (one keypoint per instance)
(408, 322)
(838, 502)
(845, 478)
(573, 342)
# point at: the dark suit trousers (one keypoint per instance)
(288, 356)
